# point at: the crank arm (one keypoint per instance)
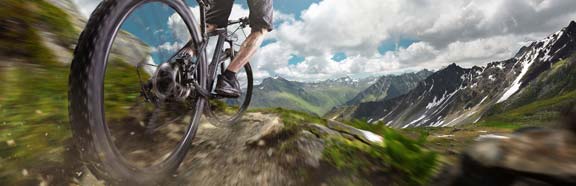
(202, 91)
(205, 93)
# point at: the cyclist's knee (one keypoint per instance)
(259, 32)
(210, 27)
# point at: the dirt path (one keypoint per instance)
(239, 155)
(223, 156)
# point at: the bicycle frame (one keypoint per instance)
(218, 58)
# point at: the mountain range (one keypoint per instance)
(312, 97)
(332, 94)
(537, 82)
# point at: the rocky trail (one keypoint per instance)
(259, 150)
(245, 154)
(263, 150)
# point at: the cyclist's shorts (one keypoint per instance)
(261, 13)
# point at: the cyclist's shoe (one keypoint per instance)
(227, 87)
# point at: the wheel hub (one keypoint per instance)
(167, 82)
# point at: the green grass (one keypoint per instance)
(34, 126)
(330, 97)
(398, 154)
(404, 158)
(57, 21)
(292, 118)
(296, 102)
(33, 114)
(535, 113)
(121, 88)
(540, 105)
(21, 38)
(499, 124)
(317, 100)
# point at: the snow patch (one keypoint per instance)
(485, 137)
(477, 119)
(445, 136)
(435, 102)
(491, 77)
(474, 85)
(417, 120)
(371, 136)
(527, 61)
(483, 99)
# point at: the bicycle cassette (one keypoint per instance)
(167, 82)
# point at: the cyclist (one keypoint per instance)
(261, 13)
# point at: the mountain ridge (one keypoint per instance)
(456, 95)
(311, 97)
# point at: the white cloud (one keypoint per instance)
(87, 6)
(468, 32)
(170, 47)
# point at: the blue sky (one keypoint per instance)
(319, 39)
(153, 30)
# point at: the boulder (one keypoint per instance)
(365, 136)
(526, 157)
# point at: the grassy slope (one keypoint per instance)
(33, 117)
(537, 112)
(292, 101)
(331, 97)
(316, 100)
(407, 159)
(541, 102)
(34, 126)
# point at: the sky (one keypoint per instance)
(315, 40)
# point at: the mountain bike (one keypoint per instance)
(110, 128)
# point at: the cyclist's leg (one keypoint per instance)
(261, 14)
(218, 13)
(247, 49)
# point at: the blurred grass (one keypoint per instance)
(33, 104)
(405, 160)
(537, 113)
(34, 113)
(34, 126)
(121, 87)
(34, 119)
(20, 22)
(398, 155)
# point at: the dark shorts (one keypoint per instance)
(261, 13)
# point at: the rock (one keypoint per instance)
(11, 142)
(269, 131)
(527, 157)
(270, 151)
(308, 148)
(365, 136)
(321, 130)
(485, 137)
(261, 143)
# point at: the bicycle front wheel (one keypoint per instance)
(107, 113)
